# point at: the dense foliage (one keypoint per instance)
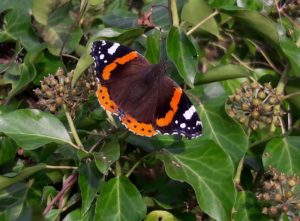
(63, 157)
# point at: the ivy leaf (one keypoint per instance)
(19, 76)
(12, 201)
(222, 72)
(247, 208)
(153, 47)
(205, 166)
(56, 31)
(222, 129)
(109, 154)
(119, 200)
(182, 52)
(89, 183)
(256, 21)
(8, 149)
(283, 154)
(17, 26)
(292, 53)
(194, 11)
(31, 129)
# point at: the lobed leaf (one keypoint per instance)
(205, 166)
(222, 129)
(283, 154)
(119, 200)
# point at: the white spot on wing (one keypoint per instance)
(113, 48)
(176, 121)
(183, 125)
(198, 123)
(101, 56)
(189, 113)
(105, 61)
(103, 43)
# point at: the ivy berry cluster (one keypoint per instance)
(255, 105)
(280, 194)
(56, 90)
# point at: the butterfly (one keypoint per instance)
(144, 98)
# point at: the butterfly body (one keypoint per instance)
(140, 94)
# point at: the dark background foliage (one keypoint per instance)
(73, 161)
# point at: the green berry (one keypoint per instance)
(237, 98)
(267, 107)
(261, 95)
(49, 93)
(245, 107)
(254, 85)
(255, 114)
(256, 102)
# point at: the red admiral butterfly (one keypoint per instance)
(140, 94)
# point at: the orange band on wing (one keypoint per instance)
(123, 60)
(104, 99)
(167, 119)
(142, 129)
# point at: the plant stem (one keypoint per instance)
(280, 89)
(264, 55)
(202, 22)
(136, 164)
(67, 185)
(73, 129)
(238, 60)
(118, 170)
(237, 178)
(175, 18)
(61, 167)
(291, 95)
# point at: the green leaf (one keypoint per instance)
(222, 72)
(247, 207)
(257, 22)
(15, 4)
(7, 181)
(19, 75)
(12, 200)
(221, 3)
(41, 12)
(293, 87)
(194, 11)
(119, 200)
(109, 154)
(46, 63)
(89, 183)
(8, 149)
(205, 166)
(59, 31)
(161, 216)
(182, 52)
(292, 53)
(283, 154)
(121, 18)
(31, 129)
(53, 215)
(17, 26)
(75, 215)
(222, 129)
(153, 47)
